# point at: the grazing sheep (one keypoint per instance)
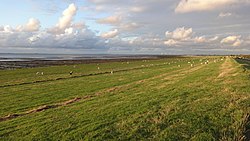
(192, 65)
(111, 72)
(98, 68)
(71, 72)
(37, 73)
(41, 73)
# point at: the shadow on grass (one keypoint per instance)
(244, 62)
(246, 124)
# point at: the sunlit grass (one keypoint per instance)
(156, 101)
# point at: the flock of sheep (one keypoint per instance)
(166, 63)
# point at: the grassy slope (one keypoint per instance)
(23, 97)
(159, 102)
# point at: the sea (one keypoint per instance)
(36, 56)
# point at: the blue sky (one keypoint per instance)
(130, 27)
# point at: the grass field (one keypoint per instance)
(165, 99)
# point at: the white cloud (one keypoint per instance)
(66, 20)
(238, 43)
(70, 31)
(137, 25)
(110, 34)
(33, 38)
(79, 25)
(232, 41)
(223, 15)
(65, 34)
(113, 20)
(170, 42)
(215, 38)
(32, 25)
(129, 26)
(180, 33)
(185, 6)
(8, 29)
(200, 39)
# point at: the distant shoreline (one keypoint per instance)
(16, 63)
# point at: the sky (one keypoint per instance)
(125, 26)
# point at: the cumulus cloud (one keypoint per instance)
(170, 42)
(110, 34)
(7, 29)
(66, 34)
(234, 41)
(137, 26)
(186, 6)
(112, 20)
(186, 37)
(178, 36)
(200, 39)
(66, 20)
(180, 33)
(32, 25)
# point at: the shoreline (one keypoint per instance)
(34, 62)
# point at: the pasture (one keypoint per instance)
(189, 98)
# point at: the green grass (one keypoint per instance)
(151, 102)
